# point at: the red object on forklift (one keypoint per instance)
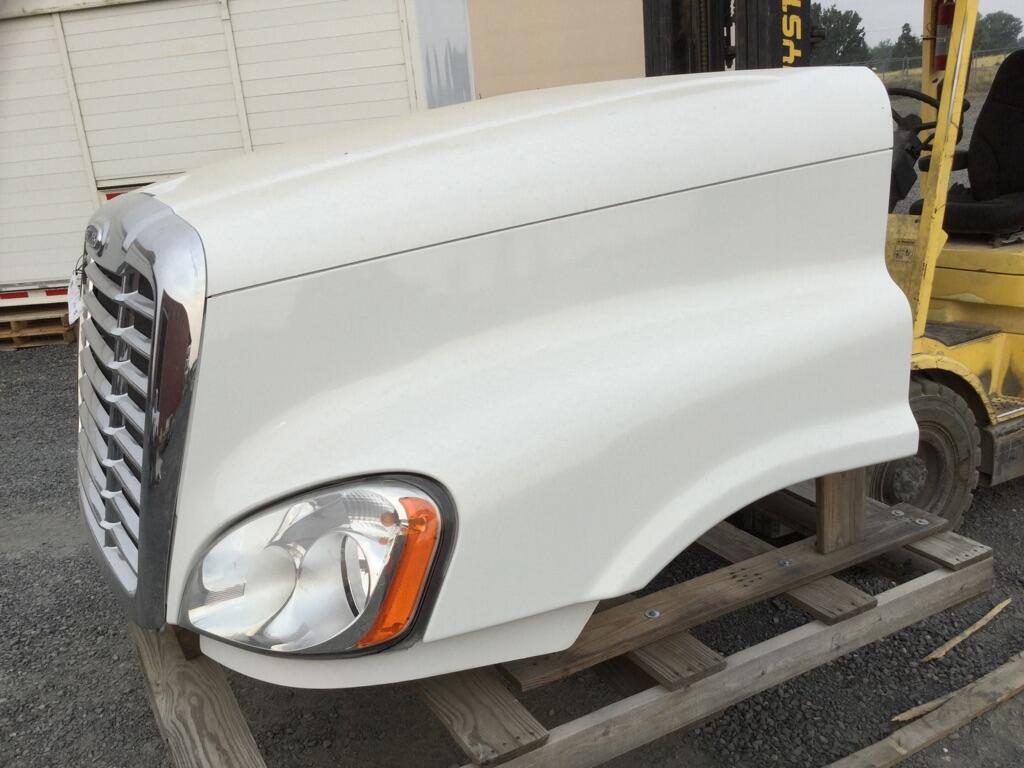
(943, 32)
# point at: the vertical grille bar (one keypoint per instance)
(115, 303)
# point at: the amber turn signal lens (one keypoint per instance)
(423, 521)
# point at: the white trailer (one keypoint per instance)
(101, 95)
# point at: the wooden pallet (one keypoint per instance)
(35, 326)
(669, 680)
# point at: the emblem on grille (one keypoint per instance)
(92, 237)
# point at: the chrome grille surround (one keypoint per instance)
(144, 293)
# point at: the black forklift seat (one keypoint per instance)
(994, 203)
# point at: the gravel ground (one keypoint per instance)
(71, 693)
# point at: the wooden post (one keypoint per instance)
(840, 501)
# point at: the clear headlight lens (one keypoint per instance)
(337, 569)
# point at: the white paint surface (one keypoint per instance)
(444, 174)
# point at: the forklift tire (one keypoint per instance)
(942, 476)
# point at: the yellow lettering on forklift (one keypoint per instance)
(793, 53)
(792, 32)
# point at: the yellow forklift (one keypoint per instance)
(958, 254)
(959, 257)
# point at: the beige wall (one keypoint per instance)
(522, 44)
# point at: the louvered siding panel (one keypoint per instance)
(155, 88)
(307, 67)
(25, 32)
(324, 81)
(171, 113)
(35, 106)
(158, 99)
(45, 195)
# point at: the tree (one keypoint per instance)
(843, 41)
(997, 31)
(907, 45)
(887, 56)
(881, 55)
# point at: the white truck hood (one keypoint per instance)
(383, 187)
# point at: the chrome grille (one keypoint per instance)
(115, 353)
(144, 296)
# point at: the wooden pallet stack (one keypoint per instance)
(35, 326)
(668, 679)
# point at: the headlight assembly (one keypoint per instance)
(334, 570)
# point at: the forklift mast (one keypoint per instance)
(685, 36)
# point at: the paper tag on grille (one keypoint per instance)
(76, 305)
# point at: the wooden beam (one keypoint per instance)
(959, 709)
(678, 660)
(648, 619)
(950, 550)
(627, 724)
(485, 719)
(195, 710)
(795, 505)
(828, 599)
(840, 503)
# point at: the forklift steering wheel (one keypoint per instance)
(909, 122)
(912, 94)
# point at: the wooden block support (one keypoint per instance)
(678, 660)
(624, 725)
(828, 599)
(840, 501)
(195, 710)
(950, 550)
(484, 718)
(947, 549)
(648, 619)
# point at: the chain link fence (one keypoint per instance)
(906, 72)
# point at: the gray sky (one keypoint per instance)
(883, 18)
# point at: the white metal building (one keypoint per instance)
(99, 95)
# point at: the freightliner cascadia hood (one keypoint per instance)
(609, 316)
